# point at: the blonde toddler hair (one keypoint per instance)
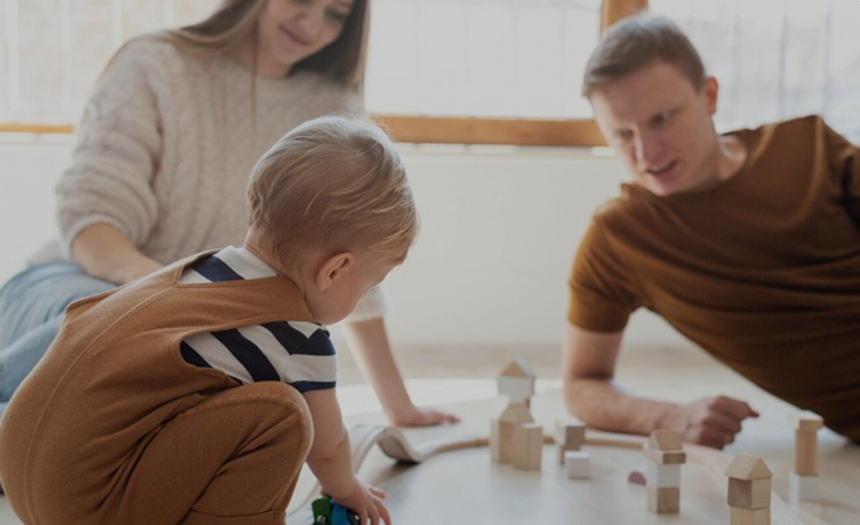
(333, 183)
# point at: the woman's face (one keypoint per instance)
(292, 30)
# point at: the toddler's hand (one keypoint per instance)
(365, 501)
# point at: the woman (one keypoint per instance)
(164, 149)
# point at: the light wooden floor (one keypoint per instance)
(457, 376)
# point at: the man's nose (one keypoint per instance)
(647, 149)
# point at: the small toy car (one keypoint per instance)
(328, 512)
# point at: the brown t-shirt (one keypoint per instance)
(763, 271)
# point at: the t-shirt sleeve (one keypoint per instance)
(601, 298)
(845, 166)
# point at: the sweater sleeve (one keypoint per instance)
(117, 154)
(371, 306)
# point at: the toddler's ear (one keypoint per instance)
(333, 269)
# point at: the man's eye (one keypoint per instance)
(624, 135)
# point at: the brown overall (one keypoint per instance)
(114, 427)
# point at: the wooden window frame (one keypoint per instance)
(465, 130)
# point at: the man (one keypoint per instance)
(747, 243)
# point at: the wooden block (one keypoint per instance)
(750, 517)
(517, 381)
(806, 420)
(577, 464)
(517, 389)
(527, 446)
(663, 476)
(805, 453)
(803, 488)
(496, 441)
(664, 500)
(516, 413)
(748, 467)
(569, 435)
(665, 457)
(664, 440)
(749, 494)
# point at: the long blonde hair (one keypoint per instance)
(236, 20)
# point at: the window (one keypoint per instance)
(52, 51)
(777, 59)
(481, 58)
(498, 59)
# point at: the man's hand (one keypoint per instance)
(424, 417)
(711, 421)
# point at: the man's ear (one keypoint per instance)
(712, 92)
(333, 269)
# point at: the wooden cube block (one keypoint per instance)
(677, 457)
(527, 446)
(665, 500)
(803, 488)
(749, 494)
(569, 435)
(662, 476)
(577, 464)
(750, 517)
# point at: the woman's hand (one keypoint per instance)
(424, 417)
(105, 252)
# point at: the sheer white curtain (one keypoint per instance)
(777, 59)
(52, 51)
(497, 58)
(501, 58)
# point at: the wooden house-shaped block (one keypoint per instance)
(749, 490)
(517, 381)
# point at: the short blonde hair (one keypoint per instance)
(335, 183)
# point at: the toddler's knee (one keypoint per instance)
(289, 409)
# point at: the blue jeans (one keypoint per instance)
(32, 305)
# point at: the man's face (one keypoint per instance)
(661, 125)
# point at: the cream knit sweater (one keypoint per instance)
(167, 142)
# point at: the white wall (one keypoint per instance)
(499, 230)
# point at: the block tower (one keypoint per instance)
(514, 438)
(569, 438)
(803, 482)
(665, 455)
(749, 491)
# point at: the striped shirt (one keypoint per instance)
(298, 353)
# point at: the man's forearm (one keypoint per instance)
(601, 404)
